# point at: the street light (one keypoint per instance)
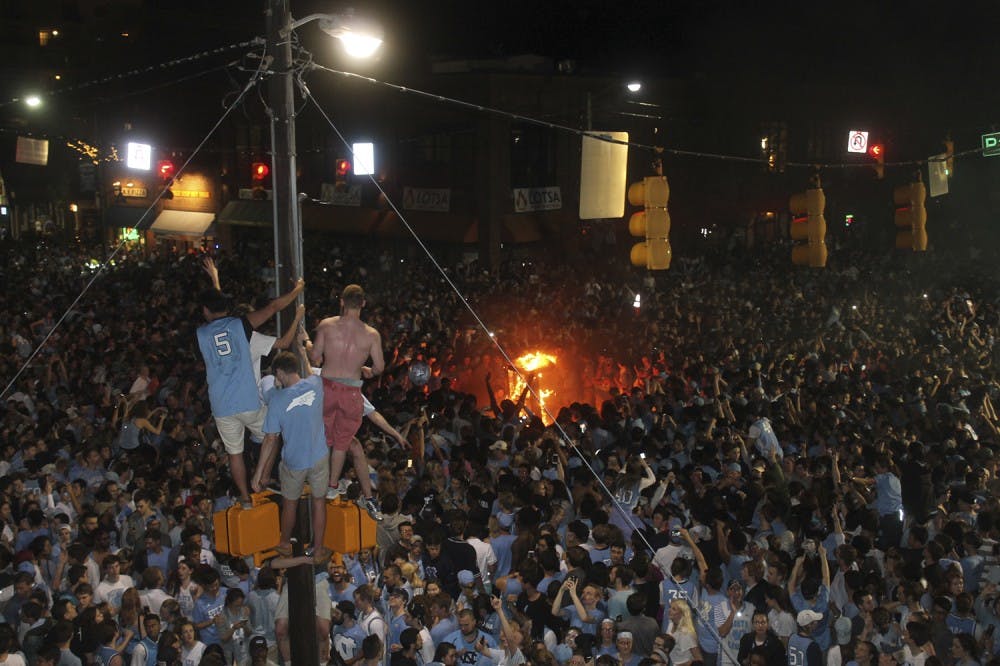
(360, 38)
(634, 86)
(33, 101)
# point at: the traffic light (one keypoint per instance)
(651, 223)
(343, 167)
(949, 159)
(911, 216)
(809, 225)
(166, 169)
(877, 151)
(259, 171)
(243, 532)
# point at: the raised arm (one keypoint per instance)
(699, 557)
(493, 398)
(208, 265)
(793, 578)
(258, 317)
(824, 565)
(293, 329)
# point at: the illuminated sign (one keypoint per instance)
(139, 156)
(857, 141)
(364, 159)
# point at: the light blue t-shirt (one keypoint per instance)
(296, 412)
(206, 608)
(225, 347)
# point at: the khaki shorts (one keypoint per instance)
(323, 603)
(232, 428)
(293, 481)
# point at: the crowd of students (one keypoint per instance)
(759, 465)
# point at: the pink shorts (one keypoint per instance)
(343, 409)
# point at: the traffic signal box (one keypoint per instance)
(877, 152)
(808, 227)
(651, 223)
(242, 532)
(348, 527)
(911, 216)
(255, 532)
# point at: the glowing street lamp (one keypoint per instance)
(634, 86)
(33, 101)
(360, 38)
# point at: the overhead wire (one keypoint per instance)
(658, 150)
(207, 53)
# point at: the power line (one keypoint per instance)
(658, 150)
(121, 76)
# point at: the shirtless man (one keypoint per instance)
(342, 346)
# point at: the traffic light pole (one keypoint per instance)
(287, 268)
(287, 225)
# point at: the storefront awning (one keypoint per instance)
(182, 223)
(248, 213)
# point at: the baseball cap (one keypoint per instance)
(734, 467)
(465, 577)
(258, 643)
(399, 592)
(807, 617)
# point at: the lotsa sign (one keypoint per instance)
(527, 199)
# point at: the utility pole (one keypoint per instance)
(281, 97)
(287, 268)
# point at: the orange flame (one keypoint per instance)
(531, 363)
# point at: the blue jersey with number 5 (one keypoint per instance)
(225, 346)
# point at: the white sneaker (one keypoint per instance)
(333, 492)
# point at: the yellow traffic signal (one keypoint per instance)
(348, 528)
(808, 227)
(651, 223)
(911, 216)
(244, 532)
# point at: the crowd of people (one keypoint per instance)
(758, 465)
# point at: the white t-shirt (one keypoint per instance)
(153, 599)
(112, 592)
(193, 656)
(14, 659)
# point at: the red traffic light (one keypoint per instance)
(166, 169)
(260, 170)
(343, 166)
(875, 150)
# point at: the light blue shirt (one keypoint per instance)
(225, 347)
(888, 494)
(297, 413)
